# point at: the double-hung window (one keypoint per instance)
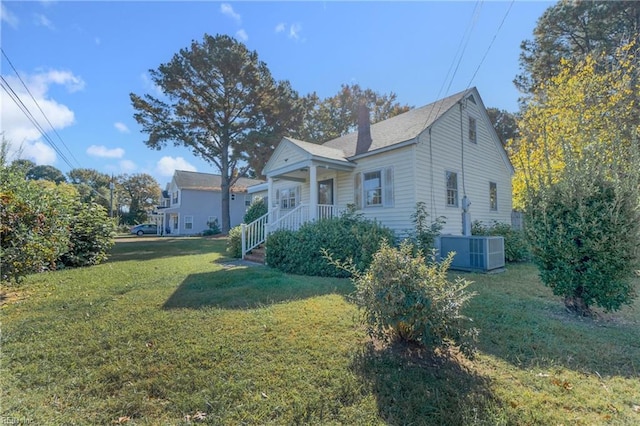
(374, 188)
(288, 198)
(452, 189)
(175, 198)
(493, 196)
(473, 135)
(188, 222)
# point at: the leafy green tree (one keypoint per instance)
(219, 99)
(337, 115)
(505, 124)
(571, 30)
(44, 172)
(22, 165)
(139, 194)
(92, 185)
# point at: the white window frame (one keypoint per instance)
(448, 189)
(493, 196)
(288, 198)
(386, 188)
(379, 189)
(188, 222)
(175, 197)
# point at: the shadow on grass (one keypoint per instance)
(241, 287)
(523, 323)
(417, 387)
(149, 248)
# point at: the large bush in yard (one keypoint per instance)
(585, 234)
(349, 236)
(234, 242)
(257, 209)
(403, 296)
(91, 235)
(34, 222)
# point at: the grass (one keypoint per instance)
(170, 332)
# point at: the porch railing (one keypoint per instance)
(256, 232)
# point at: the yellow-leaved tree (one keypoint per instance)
(589, 109)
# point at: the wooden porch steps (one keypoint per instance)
(257, 254)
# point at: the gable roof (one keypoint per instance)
(209, 182)
(316, 150)
(401, 128)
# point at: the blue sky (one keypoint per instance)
(80, 61)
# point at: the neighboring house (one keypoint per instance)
(437, 154)
(193, 200)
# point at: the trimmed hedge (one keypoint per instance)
(347, 237)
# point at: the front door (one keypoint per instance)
(325, 199)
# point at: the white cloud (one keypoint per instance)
(122, 128)
(104, 152)
(167, 165)
(294, 31)
(23, 136)
(42, 21)
(242, 35)
(127, 166)
(8, 17)
(281, 27)
(227, 10)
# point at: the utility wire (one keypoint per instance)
(40, 108)
(504, 18)
(25, 110)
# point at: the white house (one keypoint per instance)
(193, 200)
(445, 154)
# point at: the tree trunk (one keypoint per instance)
(577, 305)
(226, 217)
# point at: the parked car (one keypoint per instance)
(145, 228)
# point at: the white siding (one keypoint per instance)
(286, 153)
(476, 164)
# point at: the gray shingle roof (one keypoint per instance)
(400, 128)
(206, 181)
(319, 150)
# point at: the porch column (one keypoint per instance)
(270, 198)
(313, 192)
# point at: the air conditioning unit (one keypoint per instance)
(473, 253)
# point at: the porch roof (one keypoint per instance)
(293, 156)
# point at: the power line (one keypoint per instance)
(25, 110)
(41, 111)
(504, 18)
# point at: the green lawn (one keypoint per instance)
(169, 332)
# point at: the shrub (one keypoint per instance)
(257, 209)
(401, 296)
(349, 236)
(234, 242)
(425, 232)
(214, 228)
(91, 236)
(34, 222)
(516, 248)
(585, 234)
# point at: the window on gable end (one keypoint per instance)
(493, 196)
(473, 135)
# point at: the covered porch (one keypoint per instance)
(302, 186)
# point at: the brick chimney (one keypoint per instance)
(364, 130)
